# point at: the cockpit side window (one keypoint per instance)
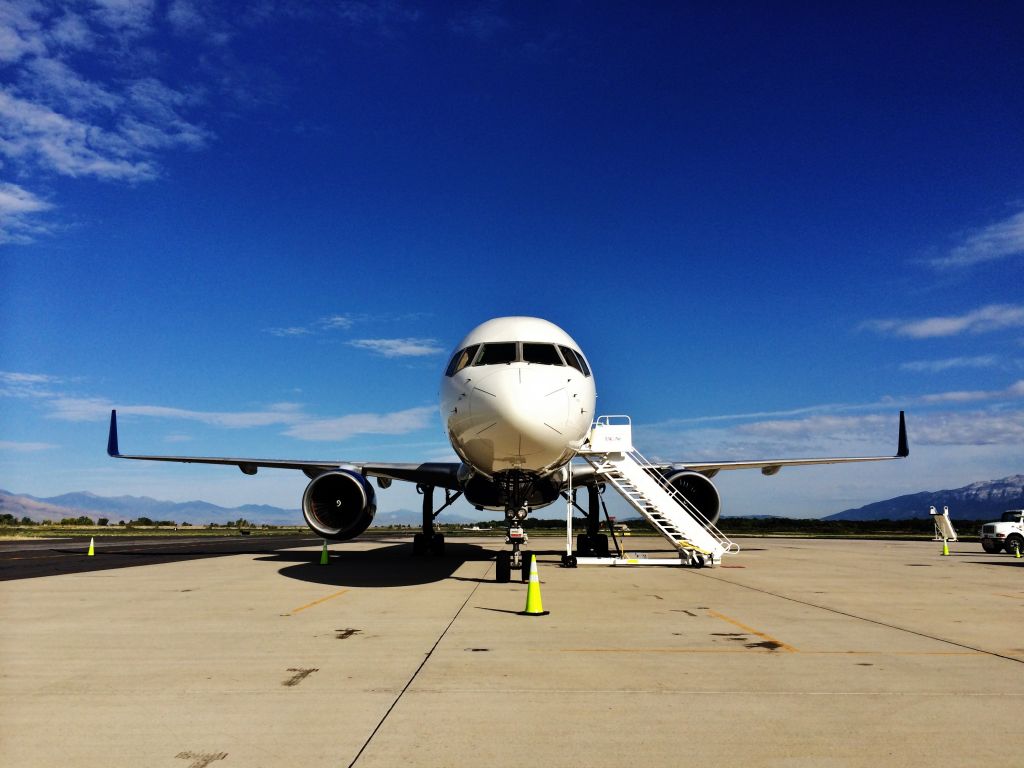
(573, 358)
(542, 354)
(461, 360)
(500, 352)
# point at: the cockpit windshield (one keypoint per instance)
(461, 359)
(500, 352)
(542, 354)
(573, 358)
(504, 352)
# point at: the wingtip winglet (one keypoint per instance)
(112, 449)
(903, 449)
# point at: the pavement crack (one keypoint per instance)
(863, 618)
(423, 663)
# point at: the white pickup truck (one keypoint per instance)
(1006, 534)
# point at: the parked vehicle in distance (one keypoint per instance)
(1007, 533)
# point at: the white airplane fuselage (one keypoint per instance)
(518, 395)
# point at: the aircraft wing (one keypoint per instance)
(772, 466)
(582, 474)
(438, 474)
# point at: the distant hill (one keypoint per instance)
(985, 500)
(133, 507)
(119, 508)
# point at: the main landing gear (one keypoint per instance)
(593, 543)
(429, 541)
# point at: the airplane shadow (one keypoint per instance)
(391, 566)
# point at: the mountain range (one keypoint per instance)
(56, 508)
(985, 500)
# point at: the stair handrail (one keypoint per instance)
(685, 503)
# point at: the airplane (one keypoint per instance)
(518, 402)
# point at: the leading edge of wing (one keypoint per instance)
(440, 474)
(772, 466)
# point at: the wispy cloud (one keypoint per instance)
(15, 447)
(938, 366)
(996, 241)
(833, 435)
(344, 427)
(399, 347)
(108, 121)
(324, 324)
(993, 317)
(1014, 391)
(38, 385)
(18, 208)
(292, 418)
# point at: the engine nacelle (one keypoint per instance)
(698, 490)
(339, 505)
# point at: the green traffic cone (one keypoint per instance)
(323, 554)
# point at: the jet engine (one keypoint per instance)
(697, 490)
(339, 505)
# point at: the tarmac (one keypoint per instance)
(796, 652)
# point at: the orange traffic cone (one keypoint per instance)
(534, 606)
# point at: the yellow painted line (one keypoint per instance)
(766, 650)
(662, 650)
(317, 602)
(745, 628)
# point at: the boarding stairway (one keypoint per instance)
(609, 450)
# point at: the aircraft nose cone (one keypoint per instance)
(523, 414)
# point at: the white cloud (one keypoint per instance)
(344, 427)
(19, 33)
(295, 330)
(17, 206)
(107, 122)
(836, 435)
(1014, 391)
(996, 241)
(992, 317)
(399, 347)
(331, 323)
(13, 384)
(291, 416)
(938, 366)
(15, 447)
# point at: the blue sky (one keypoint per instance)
(257, 229)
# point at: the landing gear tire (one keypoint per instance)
(503, 568)
(525, 575)
(437, 544)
